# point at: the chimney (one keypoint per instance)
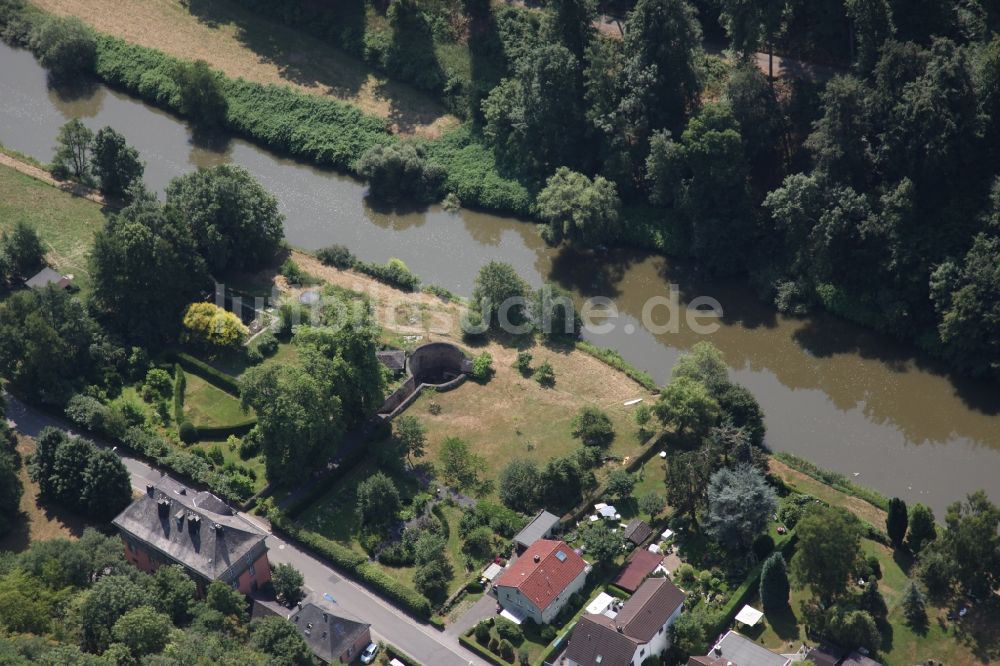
(718, 648)
(619, 629)
(149, 489)
(538, 558)
(183, 491)
(218, 528)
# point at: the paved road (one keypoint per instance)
(420, 641)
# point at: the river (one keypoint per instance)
(843, 397)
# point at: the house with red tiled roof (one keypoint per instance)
(540, 582)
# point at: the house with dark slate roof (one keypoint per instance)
(735, 649)
(170, 524)
(637, 532)
(331, 633)
(542, 526)
(639, 630)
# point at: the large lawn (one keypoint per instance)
(242, 44)
(207, 405)
(66, 223)
(943, 640)
(514, 417)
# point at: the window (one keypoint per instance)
(236, 584)
(642, 652)
(251, 570)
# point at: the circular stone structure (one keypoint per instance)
(437, 363)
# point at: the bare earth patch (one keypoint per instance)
(242, 44)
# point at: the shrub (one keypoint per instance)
(482, 367)
(545, 375)
(253, 356)
(208, 325)
(548, 633)
(295, 275)
(482, 632)
(506, 650)
(337, 256)
(64, 46)
(180, 385)
(394, 273)
(267, 344)
(157, 386)
(400, 171)
(187, 432)
(87, 412)
(216, 456)
(201, 96)
(509, 631)
(523, 363)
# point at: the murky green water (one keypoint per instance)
(845, 398)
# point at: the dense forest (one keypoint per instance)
(864, 186)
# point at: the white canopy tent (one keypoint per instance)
(749, 616)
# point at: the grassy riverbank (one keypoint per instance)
(66, 223)
(243, 45)
(318, 129)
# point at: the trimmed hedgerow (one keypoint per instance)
(208, 373)
(180, 385)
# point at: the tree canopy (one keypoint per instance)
(234, 221)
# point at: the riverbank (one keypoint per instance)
(242, 45)
(327, 132)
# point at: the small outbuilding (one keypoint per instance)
(639, 566)
(393, 359)
(47, 276)
(637, 532)
(542, 526)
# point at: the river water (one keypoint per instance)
(842, 397)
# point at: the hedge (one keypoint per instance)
(471, 644)
(749, 586)
(615, 360)
(198, 367)
(439, 514)
(350, 561)
(180, 385)
(224, 432)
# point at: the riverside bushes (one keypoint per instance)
(317, 129)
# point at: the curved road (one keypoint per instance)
(420, 641)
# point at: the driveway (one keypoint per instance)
(420, 641)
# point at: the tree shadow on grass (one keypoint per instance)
(284, 47)
(903, 559)
(979, 630)
(784, 623)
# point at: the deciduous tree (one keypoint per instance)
(578, 210)
(233, 219)
(828, 546)
(115, 163)
(519, 485)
